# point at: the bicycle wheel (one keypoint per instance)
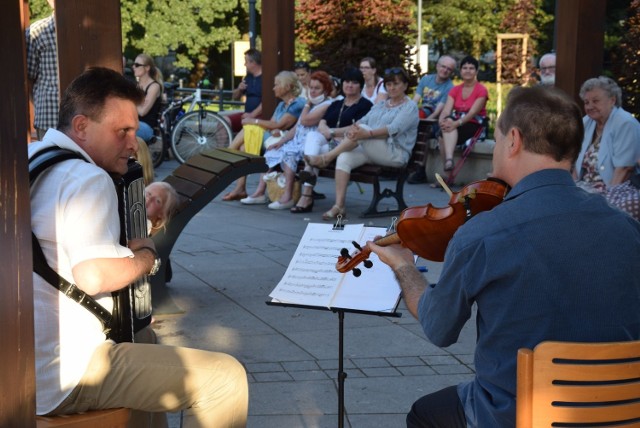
(199, 131)
(157, 148)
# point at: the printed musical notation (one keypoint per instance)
(312, 279)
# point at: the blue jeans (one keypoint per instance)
(145, 132)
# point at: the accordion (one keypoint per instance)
(131, 304)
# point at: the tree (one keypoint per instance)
(190, 28)
(627, 64)
(469, 26)
(338, 33)
(525, 17)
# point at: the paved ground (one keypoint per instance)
(227, 261)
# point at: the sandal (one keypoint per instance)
(297, 209)
(448, 165)
(317, 161)
(334, 212)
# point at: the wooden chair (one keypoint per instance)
(575, 384)
(110, 418)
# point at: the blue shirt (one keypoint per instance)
(432, 93)
(253, 93)
(551, 262)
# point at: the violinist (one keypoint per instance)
(540, 266)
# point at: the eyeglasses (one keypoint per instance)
(365, 67)
(136, 65)
(550, 68)
(444, 67)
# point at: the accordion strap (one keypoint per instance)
(37, 164)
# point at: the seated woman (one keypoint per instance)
(339, 117)
(287, 88)
(385, 136)
(288, 151)
(463, 111)
(150, 81)
(373, 88)
(161, 201)
(611, 145)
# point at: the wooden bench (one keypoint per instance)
(198, 181)
(373, 174)
(109, 418)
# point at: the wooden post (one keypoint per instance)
(580, 43)
(89, 34)
(17, 371)
(277, 47)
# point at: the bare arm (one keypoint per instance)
(621, 174)
(111, 274)
(312, 117)
(411, 281)
(152, 94)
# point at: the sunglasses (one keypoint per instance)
(301, 64)
(394, 70)
(136, 65)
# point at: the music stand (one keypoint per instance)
(342, 375)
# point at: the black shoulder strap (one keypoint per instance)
(37, 164)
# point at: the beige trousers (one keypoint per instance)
(152, 379)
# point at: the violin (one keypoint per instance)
(426, 230)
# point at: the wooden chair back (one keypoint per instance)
(110, 418)
(574, 384)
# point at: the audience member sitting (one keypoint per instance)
(547, 67)
(161, 201)
(303, 71)
(373, 88)
(431, 96)
(287, 89)
(611, 144)
(287, 152)
(150, 81)
(385, 136)
(464, 111)
(611, 139)
(338, 118)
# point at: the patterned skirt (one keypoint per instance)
(626, 197)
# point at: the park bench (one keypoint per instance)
(198, 181)
(374, 174)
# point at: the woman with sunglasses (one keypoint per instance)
(384, 136)
(150, 81)
(463, 112)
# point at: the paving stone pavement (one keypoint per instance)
(227, 261)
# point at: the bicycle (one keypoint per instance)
(171, 112)
(197, 130)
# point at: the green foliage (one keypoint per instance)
(468, 26)
(524, 17)
(190, 28)
(38, 9)
(337, 33)
(627, 63)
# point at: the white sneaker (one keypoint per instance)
(277, 205)
(258, 200)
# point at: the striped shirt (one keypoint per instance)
(42, 69)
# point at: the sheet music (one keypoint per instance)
(311, 277)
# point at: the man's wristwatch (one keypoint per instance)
(156, 262)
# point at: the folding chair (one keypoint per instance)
(579, 384)
(480, 135)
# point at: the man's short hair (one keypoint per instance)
(255, 55)
(88, 93)
(548, 119)
(545, 56)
